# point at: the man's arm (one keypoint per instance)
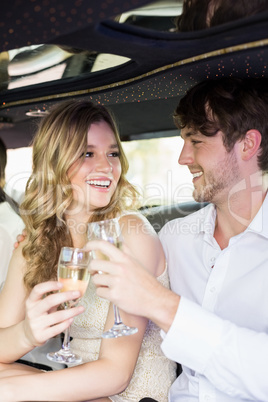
(233, 359)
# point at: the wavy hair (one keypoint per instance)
(60, 141)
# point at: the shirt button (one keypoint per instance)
(212, 290)
(207, 398)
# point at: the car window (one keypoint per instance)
(153, 169)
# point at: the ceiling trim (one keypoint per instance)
(204, 56)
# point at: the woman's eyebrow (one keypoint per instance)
(112, 146)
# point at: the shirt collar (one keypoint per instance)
(259, 223)
(207, 218)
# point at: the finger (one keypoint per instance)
(52, 331)
(20, 238)
(47, 304)
(101, 280)
(105, 247)
(42, 288)
(16, 245)
(62, 315)
(55, 330)
(103, 267)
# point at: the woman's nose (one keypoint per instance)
(186, 155)
(103, 164)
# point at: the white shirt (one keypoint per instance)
(220, 332)
(10, 226)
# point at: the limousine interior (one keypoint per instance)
(128, 56)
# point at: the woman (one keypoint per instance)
(79, 170)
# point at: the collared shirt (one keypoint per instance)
(220, 331)
(10, 226)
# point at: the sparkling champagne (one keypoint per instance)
(98, 255)
(73, 278)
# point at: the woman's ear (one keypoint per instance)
(250, 144)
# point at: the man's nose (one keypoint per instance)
(186, 155)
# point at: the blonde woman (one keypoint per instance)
(79, 175)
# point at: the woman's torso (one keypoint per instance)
(153, 374)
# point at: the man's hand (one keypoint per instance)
(127, 284)
(20, 238)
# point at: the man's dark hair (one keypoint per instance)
(230, 105)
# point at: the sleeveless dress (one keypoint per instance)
(153, 374)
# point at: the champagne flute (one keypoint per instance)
(73, 273)
(110, 231)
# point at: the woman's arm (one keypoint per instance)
(30, 320)
(112, 372)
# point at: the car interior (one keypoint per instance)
(129, 57)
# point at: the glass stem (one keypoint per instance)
(117, 317)
(66, 340)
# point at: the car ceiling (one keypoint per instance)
(143, 91)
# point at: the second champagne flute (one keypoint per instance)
(110, 231)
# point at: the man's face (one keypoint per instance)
(214, 169)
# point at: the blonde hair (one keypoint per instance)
(60, 141)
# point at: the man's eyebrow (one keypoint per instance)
(188, 134)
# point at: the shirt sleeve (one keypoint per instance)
(233, 359)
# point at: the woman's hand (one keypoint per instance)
(42, 319)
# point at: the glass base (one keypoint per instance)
(64, 356)
(119, 330)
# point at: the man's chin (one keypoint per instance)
(201, 196)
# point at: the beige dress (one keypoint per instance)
(153, 374)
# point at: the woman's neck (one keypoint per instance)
(77, 225)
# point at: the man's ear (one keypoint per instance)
(250, 145)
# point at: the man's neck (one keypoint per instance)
(235, 214)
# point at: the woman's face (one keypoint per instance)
(94, 182)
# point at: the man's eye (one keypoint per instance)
(194, 142)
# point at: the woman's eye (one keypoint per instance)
(114, 154)
(89, 155)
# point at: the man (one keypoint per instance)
(215, 317)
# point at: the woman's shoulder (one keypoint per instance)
(135, 220)
(141, 238)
